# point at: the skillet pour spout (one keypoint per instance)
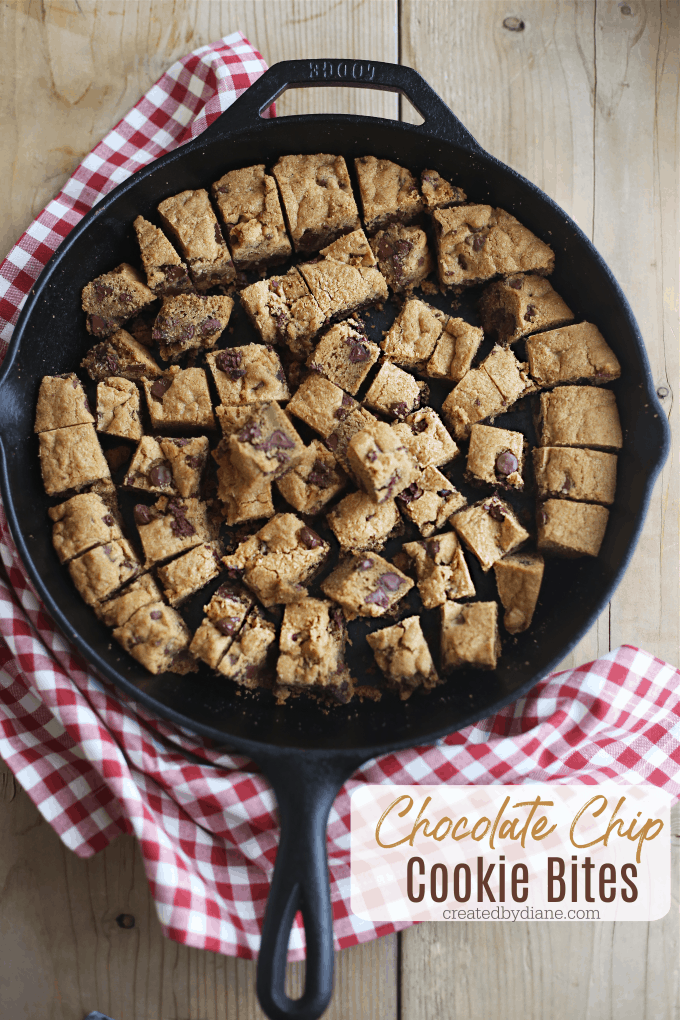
(308, 755)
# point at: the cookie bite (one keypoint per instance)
(389, 193)
(571, 354)
(588, 476)
(490, 530)
(267, 446)
(495, 457)
(101, 571)
(187, 574)
(315, 480)
(439, 193)
(579, 416)
(346, 278)
(113, 298)
(403, 655)
(345, 355)
(521, 304)
(429, 501)
(477, 242)
(454, 350)
(317, 199)
(361, 524)
(284, 311)
(81, 523)
(168, 466)
(190, 322)
(395, 393)
(155, 635)
(518, 578)
(251, 374)
(570, 529)
(403, 256)
(426, 438)
(165, 271)
(366, 585)
(224, 616)
(248, 203)
(380, 461)
(71, 458)
(171, 526)
(179, 399)
(312, 652)
(118, 408)
(120, 355)
(277, 561)
(61, 403)
(191, 222)
(440, 568)
(469, 635)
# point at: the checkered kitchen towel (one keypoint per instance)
(96, 765)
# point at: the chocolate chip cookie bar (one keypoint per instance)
(169, 466)
(380, 461)
(189, 322)
(317, 199)
(571, 529)
(61, 403)
(489, 530)
(276, 562)
(495, 457)
(469, 635)
(179, 399)
(248, 203)
(71, 458)
(117, 610)
(81, 523)
(315, 480)
(477, 242)
(440, 568)
(345, 355)
(454, 350)
(426, 438)
(403, 656)
(246, 660)
(165, 271)
(284, 311)
(251, 374)
(429, 501)
(190, 220)
(366, 585)
(411, 339)
(312, 651)
(184, 576)
(439, 193)
(104, 569)
(389, 193)
(118, 408)
(588, 476)
(519, 305)
(267, 446)
(113, 298)
(519, 577)
(579, 416)
(571, 354)
(361, 524)
(243, 499)
(321, 404)
(154, 635)
(120, 355)
(171, 526)
(346, 278)
(224, 617)
(403, 256)
(395, 393)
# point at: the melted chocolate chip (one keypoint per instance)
(155, 614)
(218, 234)
(332, 442)
(371, 456)
(228, 626)
(390, 582)
(365, 564)
(432, 549)
(209, 325)
(348, 401)
(495, 511)
(419, 426)
(321, 476)
(160, 387)
(378, 598)
(410, 494)
(250, 432)
(235, 573)
(400, 409)
(530, 313)
(279, 440)
(108, 520)
(506, 463)
(340, 413)
(478, 243)
(445, 493)
(160, 475)
(195, 462)
(358, 353)
(543, 517)
(142, 514)
(174, 274)
(515, 283)
(309, 538)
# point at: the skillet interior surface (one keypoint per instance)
(51, 339)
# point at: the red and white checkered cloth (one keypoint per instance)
(97, 765)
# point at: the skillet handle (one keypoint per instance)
(305, 785)
(371, 74)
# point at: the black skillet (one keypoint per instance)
(305, 754)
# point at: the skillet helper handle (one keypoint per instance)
(369, 74)
(305, 792)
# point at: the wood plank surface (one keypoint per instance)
(583, 100)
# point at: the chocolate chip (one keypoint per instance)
(378, 598)
(478, 243)
(279, 440)
(530, 313)
(365, 565)
(542, 517)
(321, 476)
(108, 520)
(309, 538)
(98, 325)
(142, 514)
(445, 493)
(340, 413)
(160, 475)
(506, 463)
(174, 274)
(432, 549)
(102, 290)
(348, 401)
(341, 692)
(228, 360)
(410, 494)
(235, 573)
(358, 353)
(210, 325)
(419, 426)
(155, 614)
(515, 283)
(337, 617)
(108, 550)
(332, 442)
(194, 462)
(218, 234)
(160, 387)
(371, 456)
(391, 582)
(250, 432)
(228, 626)
(400, 409)
(568, 484)
(495, 511)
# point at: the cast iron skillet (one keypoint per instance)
(305, 754)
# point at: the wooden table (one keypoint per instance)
(580, 97)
